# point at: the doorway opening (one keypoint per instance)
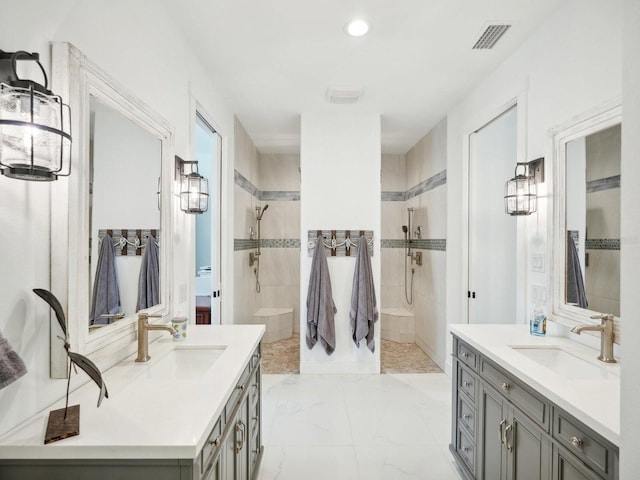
(208, 148)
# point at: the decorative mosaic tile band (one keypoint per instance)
(280, 243)
(246, 244)
(603, 184)
(273, 195)
(424, 186)
(602, 244)
(439, 244)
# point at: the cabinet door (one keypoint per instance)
(529, 450)
(493, 421)
(568, 467)
(242, 445)
(228, 467)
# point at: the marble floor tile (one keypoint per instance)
(357, 427)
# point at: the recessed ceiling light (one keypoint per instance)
(357, 27)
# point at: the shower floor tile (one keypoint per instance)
(283, 357)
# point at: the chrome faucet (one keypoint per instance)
(606, 336)
(143, 334)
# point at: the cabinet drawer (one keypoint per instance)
(211, 445)
(254, 388)
(466, 382)
(257, 355)
(237, 392)
(467, 354)
(466, 449)
(532, 404)
(584, 443)
(466, 415)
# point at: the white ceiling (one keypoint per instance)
(275, 59)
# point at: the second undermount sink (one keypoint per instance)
(184, 362)
(566, 364)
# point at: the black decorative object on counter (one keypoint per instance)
(65, 422)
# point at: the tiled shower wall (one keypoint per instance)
(418, 180)
(246, 166)
(261, 180)
(280, 232)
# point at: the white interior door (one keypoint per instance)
(492, 233)
(208, 243)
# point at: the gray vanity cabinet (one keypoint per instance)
(510, 445)
(232, 450)
(501, 429)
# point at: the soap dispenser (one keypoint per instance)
(538, 322)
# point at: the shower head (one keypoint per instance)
(260, 212)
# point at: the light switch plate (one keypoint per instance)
(537, 262)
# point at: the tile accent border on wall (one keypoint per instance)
(603, 184)
(602, 244)
(439, 244)
(246, 244)
(422, 187)
(273, 195)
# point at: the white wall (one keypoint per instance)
(569, 65)
(630, 308)
(138, 44)
(340, 159)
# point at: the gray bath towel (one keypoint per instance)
(149, 283)
(363, 313)
(106, 296)
(320, 307)
(11, 365)
(575, 284)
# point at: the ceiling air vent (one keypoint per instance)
(344, 95)
(491, 35)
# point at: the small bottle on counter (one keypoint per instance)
(538, 323)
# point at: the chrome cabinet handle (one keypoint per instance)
(577, 442)
(467, 383)
(466, 416)
(215, 442)
(466, 449)
(500, 432)
(464, 354)
(505, 386)
(240, 387)
(506, 437)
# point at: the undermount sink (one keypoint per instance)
(184, 362)
(566, 364)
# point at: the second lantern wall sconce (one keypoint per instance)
(193, 187)
(520, 193)
(35, 124)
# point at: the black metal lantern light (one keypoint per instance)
(35, 125)
(520, 193)
(194, 188)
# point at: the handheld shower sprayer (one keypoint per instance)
(260, 212)
(255, 257)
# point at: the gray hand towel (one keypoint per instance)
(11, 365)
(363, 313)
(106, 296)
(149, 283)
(320, 306)
(576, 293)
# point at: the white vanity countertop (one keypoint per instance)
(143, 417)
(594, 401)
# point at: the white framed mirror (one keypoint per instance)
(121, 183)
(586, 217)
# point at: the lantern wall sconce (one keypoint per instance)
(520, 193)
(35, 124)
(193, 187)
